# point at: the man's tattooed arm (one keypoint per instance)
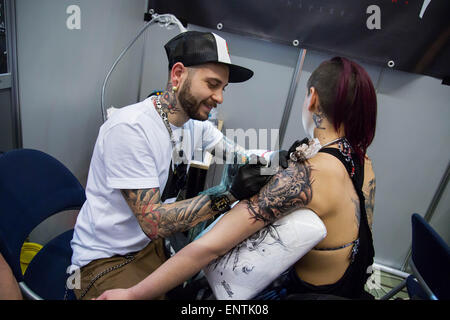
(287, 190)
(161, 220)
(230, 151)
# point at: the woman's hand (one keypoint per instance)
(117, 294)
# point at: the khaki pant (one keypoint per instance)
(120, 271)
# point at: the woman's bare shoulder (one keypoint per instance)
(327, 166)
(328, 177)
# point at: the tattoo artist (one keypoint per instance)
(139, 165)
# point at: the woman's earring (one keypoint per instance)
(174, 89)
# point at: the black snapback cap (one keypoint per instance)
(194, 48)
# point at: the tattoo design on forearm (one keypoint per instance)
(287, 190)
(230, 152)
(161, 220)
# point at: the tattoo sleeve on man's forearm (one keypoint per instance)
(161, 220)
(288, 190)
(230, 151)
(143, 203)
(183, 215)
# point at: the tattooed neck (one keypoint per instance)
(170, 105)
(318, 118)
(169, 102)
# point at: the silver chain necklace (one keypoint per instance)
(332, 142)
(178, 155)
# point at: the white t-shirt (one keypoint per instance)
(132, 151)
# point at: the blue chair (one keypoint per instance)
(33, 187)
(430, 264)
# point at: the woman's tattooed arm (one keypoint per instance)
(161, 220)
(369, 195)
(287, 190)
(369, 187)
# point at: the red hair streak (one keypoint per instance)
(356, 109)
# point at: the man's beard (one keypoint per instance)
(189, 103)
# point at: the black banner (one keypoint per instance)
(408, 35)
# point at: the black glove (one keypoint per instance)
(248, 180)
(279, 158)
(296, 144)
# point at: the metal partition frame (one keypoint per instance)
(11, 47)
(291, 94)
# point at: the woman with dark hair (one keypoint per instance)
(337, 184)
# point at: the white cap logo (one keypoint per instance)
(222, 49)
